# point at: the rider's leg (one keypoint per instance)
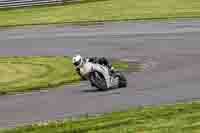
(104, 61)
(109, 65)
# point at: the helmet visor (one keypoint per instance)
(77, 63)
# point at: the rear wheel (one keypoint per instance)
(122, 80)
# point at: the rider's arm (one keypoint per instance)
(78, 71)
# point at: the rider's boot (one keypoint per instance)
(111, 70)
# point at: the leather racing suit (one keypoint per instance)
(98, 60)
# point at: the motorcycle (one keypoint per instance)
(101, 78)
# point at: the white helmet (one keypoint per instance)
(77, 60)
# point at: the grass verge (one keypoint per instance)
(19, 74)
(175, 118)
(100, 10)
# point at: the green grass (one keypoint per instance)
(19, 74)
(100, 10)
(34, 72)
(122, 65)
(174, 118)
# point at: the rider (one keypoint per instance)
(78, 62)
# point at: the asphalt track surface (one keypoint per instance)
(169, 50)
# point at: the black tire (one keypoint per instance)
(122, 80)
(98, 82)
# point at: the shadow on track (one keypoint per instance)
(72, 2)
(97, 90)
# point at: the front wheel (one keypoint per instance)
(97, 80)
